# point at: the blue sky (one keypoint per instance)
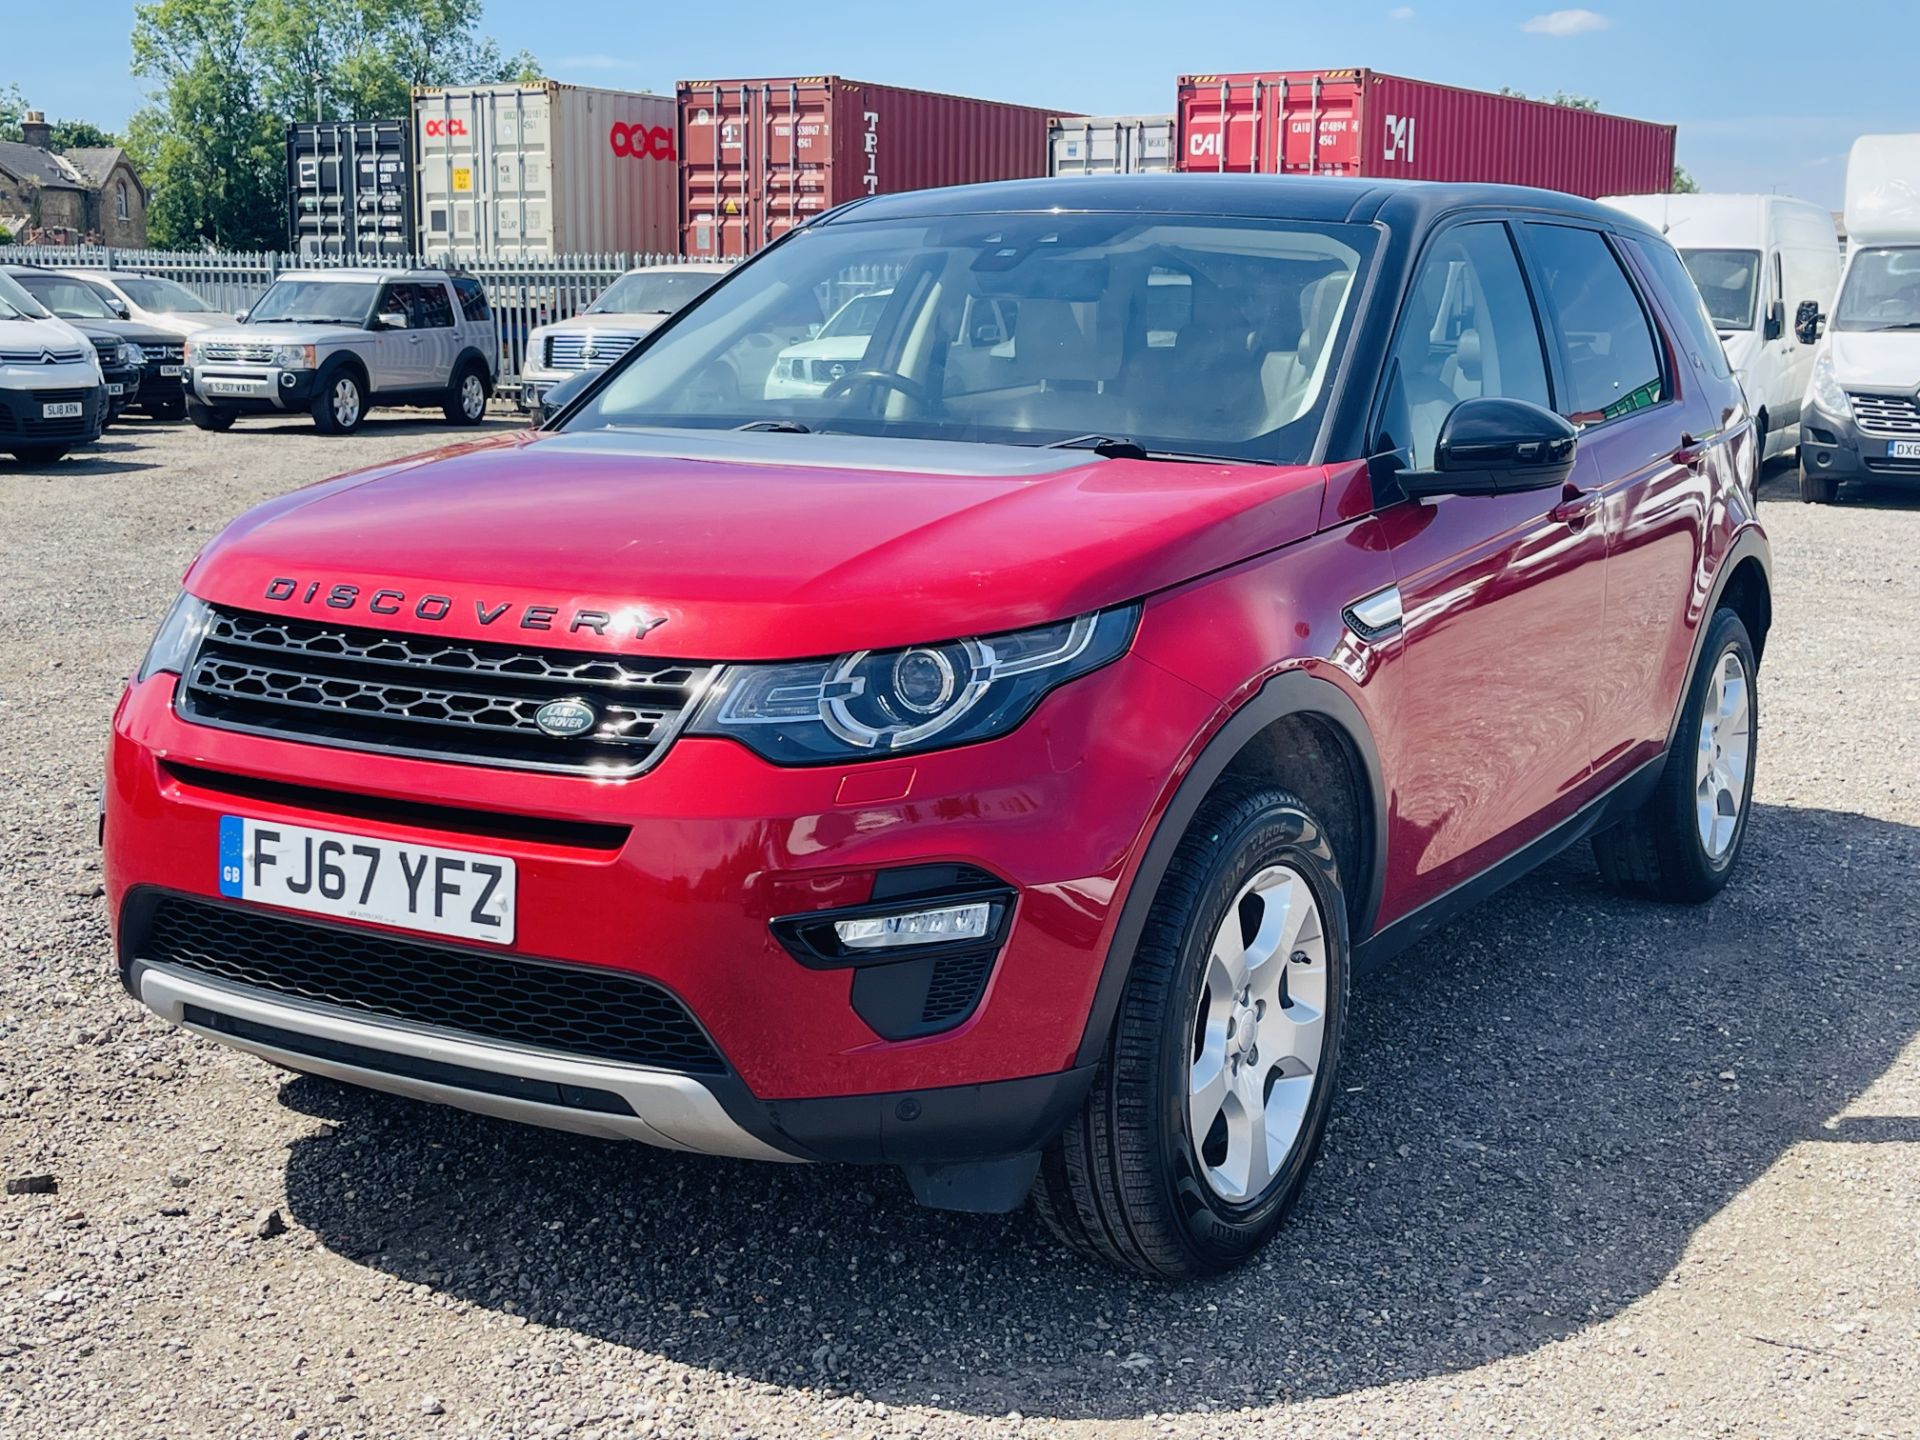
(1767, 95)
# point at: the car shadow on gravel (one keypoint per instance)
(1545, 1102)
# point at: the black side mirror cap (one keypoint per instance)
(1808, 322)
(1776, 320)
(1492, 445)
(558, 397)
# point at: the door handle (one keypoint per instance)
(1576, 507)
(1690, 452)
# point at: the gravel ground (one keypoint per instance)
(1602, 1168)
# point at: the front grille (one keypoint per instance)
(594, 350)
(39, 356)
(570, 1009)
(108, 351)
(447, 700)
(1887, 414)
(163, 354)
(24, 416)
(1889, 466)
(230, 351)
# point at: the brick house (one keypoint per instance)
(90, 196)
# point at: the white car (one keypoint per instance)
(631, 308)
(152, 300)
(804, 371)
(52, 395)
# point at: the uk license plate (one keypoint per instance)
(172, 369)
(233, 387)
(113, 389)
(61, 410)
(1904, 449)
(459, 894)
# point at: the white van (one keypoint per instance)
(1768, 267)
(53, 397)
(1863, 401)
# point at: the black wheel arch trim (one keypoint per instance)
(1749, 544)
(1293, 692)
(473, 355)
(344, 360)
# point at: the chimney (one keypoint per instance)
(34, 130)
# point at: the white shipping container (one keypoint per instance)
(1110, 145)
(523, 171)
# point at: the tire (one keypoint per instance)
(1682, 844)
(1817, 489)
(167, 411)
(40, 454)
(466, 402)
(340, 407)
(1130, 1181)
(210, 417)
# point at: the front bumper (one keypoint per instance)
(709, 848)
(250, 389)
(1838, 446)
(22, 411)
(127, 379)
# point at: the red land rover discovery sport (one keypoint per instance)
(990, 744)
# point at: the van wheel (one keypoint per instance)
(40, 454)
(1682, 844)
(1212, 1097)
(1815, 488)
(210, 417)
(341, 404)
(466, 402)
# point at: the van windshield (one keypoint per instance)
(1180, 334)
(1882, 291)
(1727, 281)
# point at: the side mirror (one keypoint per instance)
(1808, 322)
(813, 330)
(1776, 320)
(118, 306)
(557, 397)
(390, 320)
(241, 315)
(1492, 445)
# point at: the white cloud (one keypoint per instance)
(1565, 24)
(1400, 12)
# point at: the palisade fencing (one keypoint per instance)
(523, 293)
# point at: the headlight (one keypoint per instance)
(131, 354)
(1824, 388)
(293, 357)
(187, 349)
(179, 633)
(891, 702)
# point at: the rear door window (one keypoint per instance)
(1608, 351)
(425, 306)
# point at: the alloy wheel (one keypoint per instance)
(1259, 1034)
(1720, 767)
(473, 397)
(346, 403)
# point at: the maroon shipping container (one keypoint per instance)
(1361, 122)
(759, 157)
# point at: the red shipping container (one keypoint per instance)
(759, 157)
(1361, 122)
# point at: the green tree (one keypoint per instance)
(1683, 183)
(232, 74)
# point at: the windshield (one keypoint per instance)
(1182, 334)
(164, 297)
(653, 292)
(324, 302)
(68, 298)
(1727, 280)
(859, 317)
(1882, 291)
(16, 303)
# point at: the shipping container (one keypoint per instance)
(349, 188)
(1361, 122)
(1110, 145)
(763, 156)
(528, 171)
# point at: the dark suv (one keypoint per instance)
(998, 760)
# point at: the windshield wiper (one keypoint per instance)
(1903, 325)
(778, 427)
(1118, 447)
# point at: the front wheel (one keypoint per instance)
(341, 404)
(210, 417)
(1682, 844)
(1211, 1100)
(466, 402)
(167, 411)
(1815, 488)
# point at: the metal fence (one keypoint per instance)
(522, 293)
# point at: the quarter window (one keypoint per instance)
(1611, 361)
(1468, 330)
(1686, 304)
(473, 297)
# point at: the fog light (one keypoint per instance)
(916, 927)
(1823, 459)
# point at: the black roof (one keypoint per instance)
(1276, 197)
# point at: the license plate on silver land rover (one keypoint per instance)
(1904, 449)
(61, 410)
(233, 387)
(456, 893)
